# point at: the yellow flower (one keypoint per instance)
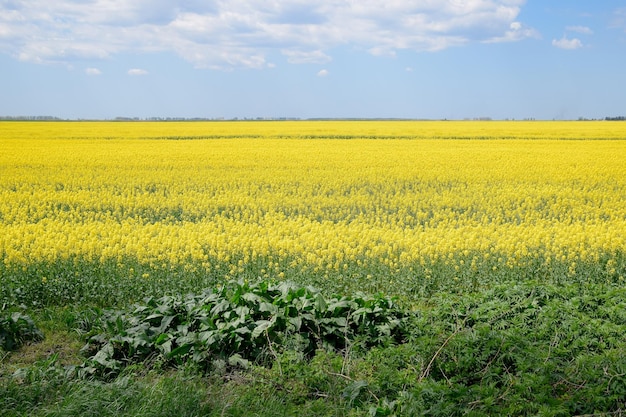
(260, 195)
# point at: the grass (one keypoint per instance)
(525, 349)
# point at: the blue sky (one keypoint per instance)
(454, 59)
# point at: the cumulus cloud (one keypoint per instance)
(242, 33)
(137, 71)
(517, 31)
(565, 43)
(93, 71)
(323, 73)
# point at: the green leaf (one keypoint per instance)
(252, 297)
(242, 311)
(320, 303)
(190, 339)
(166, 347)
(341, 304)
(180, 350)
(220, 307)
(296, 322)
(268, 307)
(104, 357)
(339, 321)
(153, 316)
(352, 391)
(208, 338)
(161, 338)
(165, 322)
(261, 326)
(242, 330)
(238, 360)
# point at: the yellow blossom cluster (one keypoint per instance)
(318, 197)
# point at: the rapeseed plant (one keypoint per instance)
(375, 206)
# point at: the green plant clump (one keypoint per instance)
(15, 329)
(239, 324)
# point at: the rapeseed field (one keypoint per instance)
(358, 268)
(109, 212)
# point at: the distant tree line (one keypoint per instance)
(29, 118)
(44, 118)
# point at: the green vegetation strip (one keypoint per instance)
(281, 349)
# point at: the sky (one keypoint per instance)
(422, 59)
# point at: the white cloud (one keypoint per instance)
(137, 71)
(517, 31)
(565, 43)
(93, 71)
(580, 29)
(241, 33)
(619, 18)
(323, 73)
(382, 51)
(301, 57)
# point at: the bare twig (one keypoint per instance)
(612, 376)
(340, 375)
(269, 344)
(344, 364)
(444, 375)
(552, 344)
(432, 360)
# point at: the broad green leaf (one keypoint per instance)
(261, 326)
(161, 338)
(166, 347)
(238, 360)
(352, 391)
(296, 322)
(220, 307)
(269, 308)
(340, 304)
(180, 350)
(320, 303)
(153, 316)
(252, 297)
(242, 311)
(242, 330)
(335, 321)
(165, 323)
(208, 338)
